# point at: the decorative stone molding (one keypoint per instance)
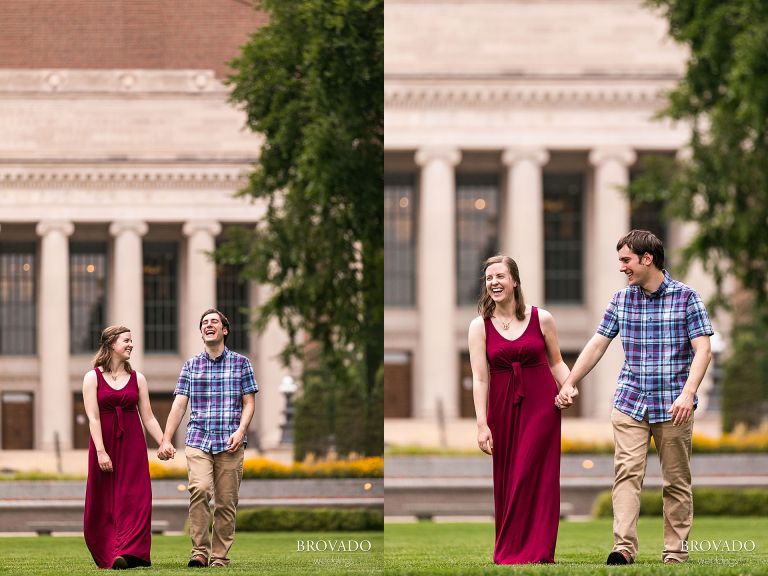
(505, 95)
(622, 155)
(115, 178)
(122, 226)
(431, 154)
(512, 156)
(208, 226)
(152, 205)
(68, 81)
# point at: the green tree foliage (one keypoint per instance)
(311, 82)
(313, 433)
(722, 184)
(745, 380)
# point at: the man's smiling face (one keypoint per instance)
(212, 329)
(636, 268)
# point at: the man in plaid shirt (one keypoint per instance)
(665, 333)
(219, 385)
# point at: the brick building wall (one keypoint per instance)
(120, 34)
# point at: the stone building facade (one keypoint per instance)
(119, 159)
(512, 127)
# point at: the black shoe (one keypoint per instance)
(618, 557)
(198, 561)
(120, 563)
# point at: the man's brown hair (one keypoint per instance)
(641, 242)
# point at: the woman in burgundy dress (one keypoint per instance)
(118, 497)
(516, 372)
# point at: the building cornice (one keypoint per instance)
(496, 92)
(141, 178)
(109, 82)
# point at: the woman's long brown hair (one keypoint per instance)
(486, 306)
(103, 358)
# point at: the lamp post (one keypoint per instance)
(288, 388)
(717, 345)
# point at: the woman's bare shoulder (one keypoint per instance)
(90, 377)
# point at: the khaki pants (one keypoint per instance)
(674, 447)
(214, 476)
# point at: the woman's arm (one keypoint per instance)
(559, 369)
(145, 410)
(91, 402)
(480, 383)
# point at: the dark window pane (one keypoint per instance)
(18, 307)
(232, 295)
(398, 368)
(81, 432)
(647, 216)
(466, 396)
(399, 240)
(87, 296)
(477, 229)
(18, 417)
(160, 297)
(564, 238)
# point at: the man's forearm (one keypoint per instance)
(588, 359)
(698, 368)
(174, 419)
(247, 415)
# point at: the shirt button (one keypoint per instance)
(650, 317)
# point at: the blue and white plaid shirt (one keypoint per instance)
(656, 332)
(215, 389)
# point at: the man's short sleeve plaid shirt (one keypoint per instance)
(215, 387)
(656, 332)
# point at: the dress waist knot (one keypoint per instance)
(118, 410)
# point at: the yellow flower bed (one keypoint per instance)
(265, 468)
(570, 446)
(740, 440)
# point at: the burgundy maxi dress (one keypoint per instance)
(118, 504)
(525, 425)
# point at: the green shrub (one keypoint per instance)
(309, 519)
(745, 373)
(314, 422)
(706, 502)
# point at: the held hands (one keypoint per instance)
(682, 408)
(166, 451)
(564, 398)
(105, 462)
(235, 441)
(485, 439)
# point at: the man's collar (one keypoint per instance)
(217, 358)
(659, 292)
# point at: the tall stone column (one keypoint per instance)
(200, 281)
(53, 335)
(437, 385)
(127, 307)
(611, 220)
(523, 232)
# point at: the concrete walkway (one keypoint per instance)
(429, 486)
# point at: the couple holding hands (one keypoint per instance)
(517, 370)
(220, 387)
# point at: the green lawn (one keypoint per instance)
(429, 548)
(253, 553)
